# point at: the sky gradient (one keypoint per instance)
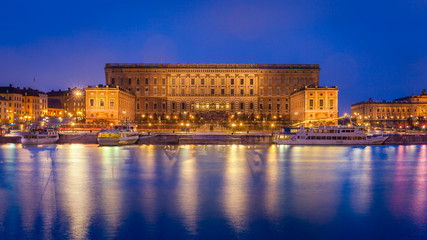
(367, 48)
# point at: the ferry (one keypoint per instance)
(40, 136)
(334, 135)
(119, 135)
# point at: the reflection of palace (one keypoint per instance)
(198, 88)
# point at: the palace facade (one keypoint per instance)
(406, 111)
(310, 104)
(219, 88)
(109, 104)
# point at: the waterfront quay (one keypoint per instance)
(215, 138)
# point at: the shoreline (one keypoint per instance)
(207, 139)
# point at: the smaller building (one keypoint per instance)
(54, 108)
(315, 105)
(405, 112)
(72, 101)
(14, 97)
(4, 112)
(109, 104)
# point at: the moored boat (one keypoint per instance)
(334, 135)
(119, 135)
(40, 136)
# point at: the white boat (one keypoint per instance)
(40, 136)
(119, 135)
(335, 135)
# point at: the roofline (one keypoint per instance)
(212, 65)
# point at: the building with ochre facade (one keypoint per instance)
(212, 88)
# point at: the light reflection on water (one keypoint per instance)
(85, 191)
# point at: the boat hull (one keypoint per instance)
(369, 141)
(35, 141)
(114, 141)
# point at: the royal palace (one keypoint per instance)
(212, 88)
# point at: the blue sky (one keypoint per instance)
(368, 48)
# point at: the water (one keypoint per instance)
(213, 192)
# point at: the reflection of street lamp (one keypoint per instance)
(272, 128)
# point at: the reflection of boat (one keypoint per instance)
(40, 136)
(336, 135)
(119, 135)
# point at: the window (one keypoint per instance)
(155, 91)
(251, 106)
(303, 81)
(137, 106)
(130, 81)
(242, 81)
(173, 105)
(92, 102)
(269, 106)
(278, 81)
(242, 91)
(183, 81)
(269, 92)
(192, 81)
(222, 91)
(101, 102)
(155, 106)
(173, 91)
(321, 102)
(212, 91)
(261, 91)
(232, 91)
(137, 90)
(183, 106)
(111, 102)
(163, 106)
(286, 106)
(222, 81)
(146, 106)
(113, 81)
(146, 81)
(202, 81)
(137, 81)
(261, 81)
(331, 103)
(278, 91)
(163, 81)
(192, 92)
(311, 102)
(251, 82)
(163, 91)
(212, 81)
(232, 106)
(146, 91)
(232, 81)
(251, 92)
(155, 81)
(295, 81)
(242, 105)
(278, 107)
(173, 81)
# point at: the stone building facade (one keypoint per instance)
(72, 102)
(4, 110)
(109, 104)
(315, 105)
(14, 97)
(212, 88)
(411, 110)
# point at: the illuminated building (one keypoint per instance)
(55, 108)
(72, 101)
(109, 104)
(212, 88)
(14, 97)
(4, 110)
(315, 105)
(34, 104)
(401, 112)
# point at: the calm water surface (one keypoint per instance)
(213, 192)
